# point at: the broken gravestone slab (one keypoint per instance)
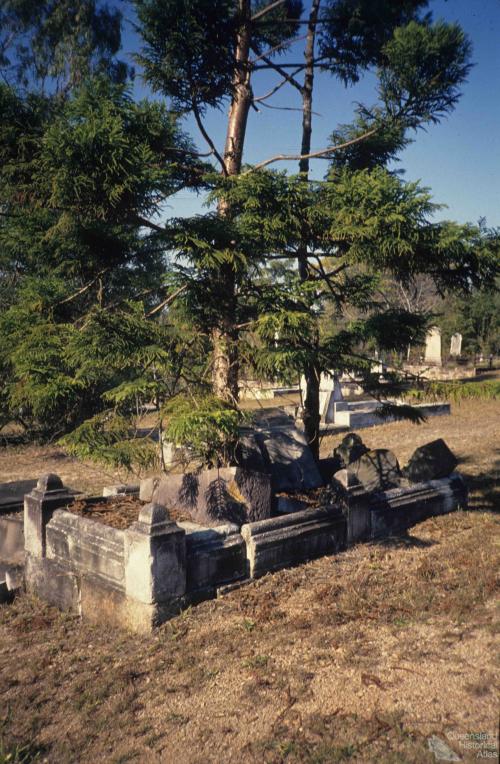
(212, 497)
(286, 453)
(349, 450)
(376, 470)
(432, 461)
(291, 462)
(12, 494)
(249, 452)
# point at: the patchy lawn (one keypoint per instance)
(360, 657)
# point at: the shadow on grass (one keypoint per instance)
(403, 541)
(484, 489)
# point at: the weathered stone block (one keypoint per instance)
(285, 450)
(283, 541)
(376, 470)
(398, 509)
(87, 546)
(155, 558)
(212, 497)
(121, 489)
(291, 462)
(213, 557)
(52, 582)
(147, 488)
(249, 452)
(349, 450)
(12, 494)
(430, 462)
(12, 536)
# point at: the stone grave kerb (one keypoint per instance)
(155, 557)
(39, 505)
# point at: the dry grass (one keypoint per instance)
(359, 657)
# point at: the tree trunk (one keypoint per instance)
(311, 372)
(225, 335)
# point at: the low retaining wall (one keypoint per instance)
(140, 576)
(281, 542)
(441, 373)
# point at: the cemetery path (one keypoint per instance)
(362, 657)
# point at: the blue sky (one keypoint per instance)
(458, 159)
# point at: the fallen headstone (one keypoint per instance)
(212, 497)
(349, 450)
(376, 470)
(286, 453)
(12, 494)
(249, 453)
(291, 462)
(432, 461)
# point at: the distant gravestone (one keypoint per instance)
(433, 346)
(456, 344)
(331, 398)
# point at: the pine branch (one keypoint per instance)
(166, 302)
(267, 9)
(82, 290)
(149, 224)
(328, 275)
(289, 108)
(207, 138)
(281, 70)
(280, 84)
(280, 45)
(313, 155)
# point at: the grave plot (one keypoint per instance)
(140, 554)
(339, 415)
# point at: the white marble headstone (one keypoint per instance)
(433, 346)
(456, 344)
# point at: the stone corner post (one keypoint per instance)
(155, 559)
(39, 506)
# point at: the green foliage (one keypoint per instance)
(79, 278)
(139, 146)
(61, 41)
(354, 32)
(186, 54)
(477, 318)
(455, 391)
(105, 313)
(189, 52)
(208, 426)
(422, 69)
(109, 439)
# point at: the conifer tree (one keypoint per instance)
(199, 55)
(203, 54)
(81, 282)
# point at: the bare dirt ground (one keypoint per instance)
(361, 657)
